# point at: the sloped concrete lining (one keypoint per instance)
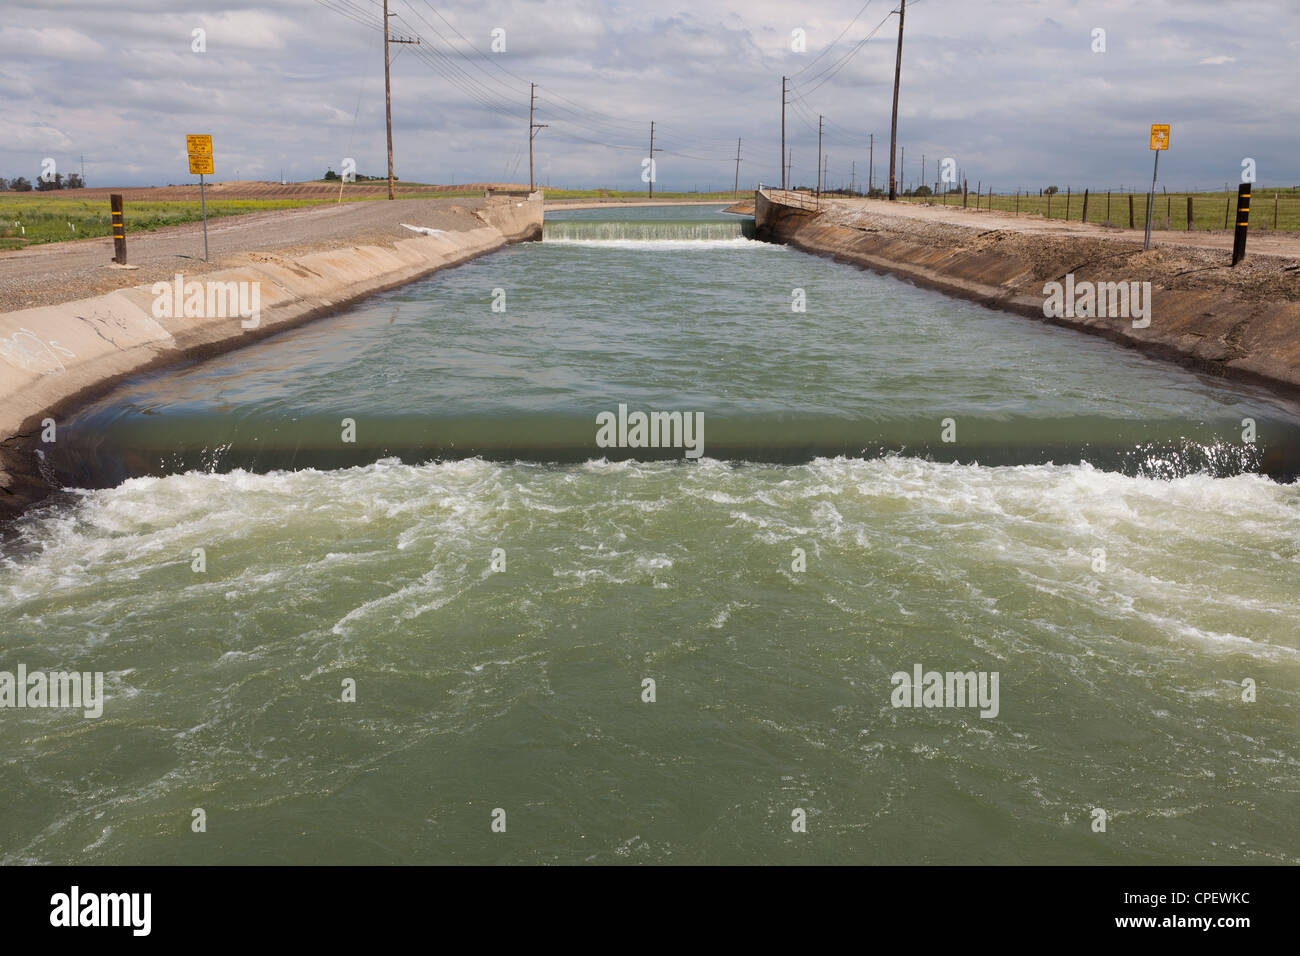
(54, 357)
(1218, 331)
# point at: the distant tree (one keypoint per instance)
(43, 185)
(3, 185)
(21, 185)
(1052, 190)
(74, 182)
(923, 191)
(330, 175)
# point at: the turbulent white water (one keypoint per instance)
(499, 618)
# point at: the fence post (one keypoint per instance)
(1189, 213)
(1243, 217)
(1275, 212)
(1108, 205)
(1067, 203)
(119, 229)
(1049, 205)
(1085, 206)
(1227, 208)
(1017, 202)
(1130, 211)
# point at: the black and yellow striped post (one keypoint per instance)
(1243, 217)
(119, 229)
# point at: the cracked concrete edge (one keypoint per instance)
(1216, 332)
(56, 358)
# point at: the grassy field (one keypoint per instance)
(27, 220)
(1208, 209)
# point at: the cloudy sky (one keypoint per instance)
(1011, 89)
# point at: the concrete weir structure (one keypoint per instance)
(1244, 326)
(57, 356)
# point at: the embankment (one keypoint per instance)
(1241, 323)
(57, 356)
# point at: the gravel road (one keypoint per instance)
(65, 271)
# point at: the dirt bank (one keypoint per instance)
(1241, 322)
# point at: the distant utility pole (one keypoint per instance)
(652, 159)
(532, 134)
(388, 97)
(853, 177)
(923, 169)
(819, 156)
(735, 190)
(83, 172)
(871, 165)
(784, 81)
(893, 124)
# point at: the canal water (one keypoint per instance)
(647, 654)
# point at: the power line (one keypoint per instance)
(828, 48)
(843, 61)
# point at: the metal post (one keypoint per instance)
(203, 201)
(783, 169)
(736, 188)
(871, 166)
(1151, 201)
(819, 159)
(652, 159)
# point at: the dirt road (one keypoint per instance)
(66, 271)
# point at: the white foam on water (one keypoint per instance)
(670, 245)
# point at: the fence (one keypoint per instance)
(794, 197)
(1271, 207)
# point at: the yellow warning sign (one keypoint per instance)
(202, 145)
(1159, 136)
(201, 164)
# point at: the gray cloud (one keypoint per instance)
(1010, 89)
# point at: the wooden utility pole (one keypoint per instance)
(388, 98)
(784, 81)
(819, 156)
(789, 167)
(853, 177)
(736, 188)
(652, 159)
(532, 133)
(893, 123)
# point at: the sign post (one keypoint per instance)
(200, 152)
(1159, 141)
